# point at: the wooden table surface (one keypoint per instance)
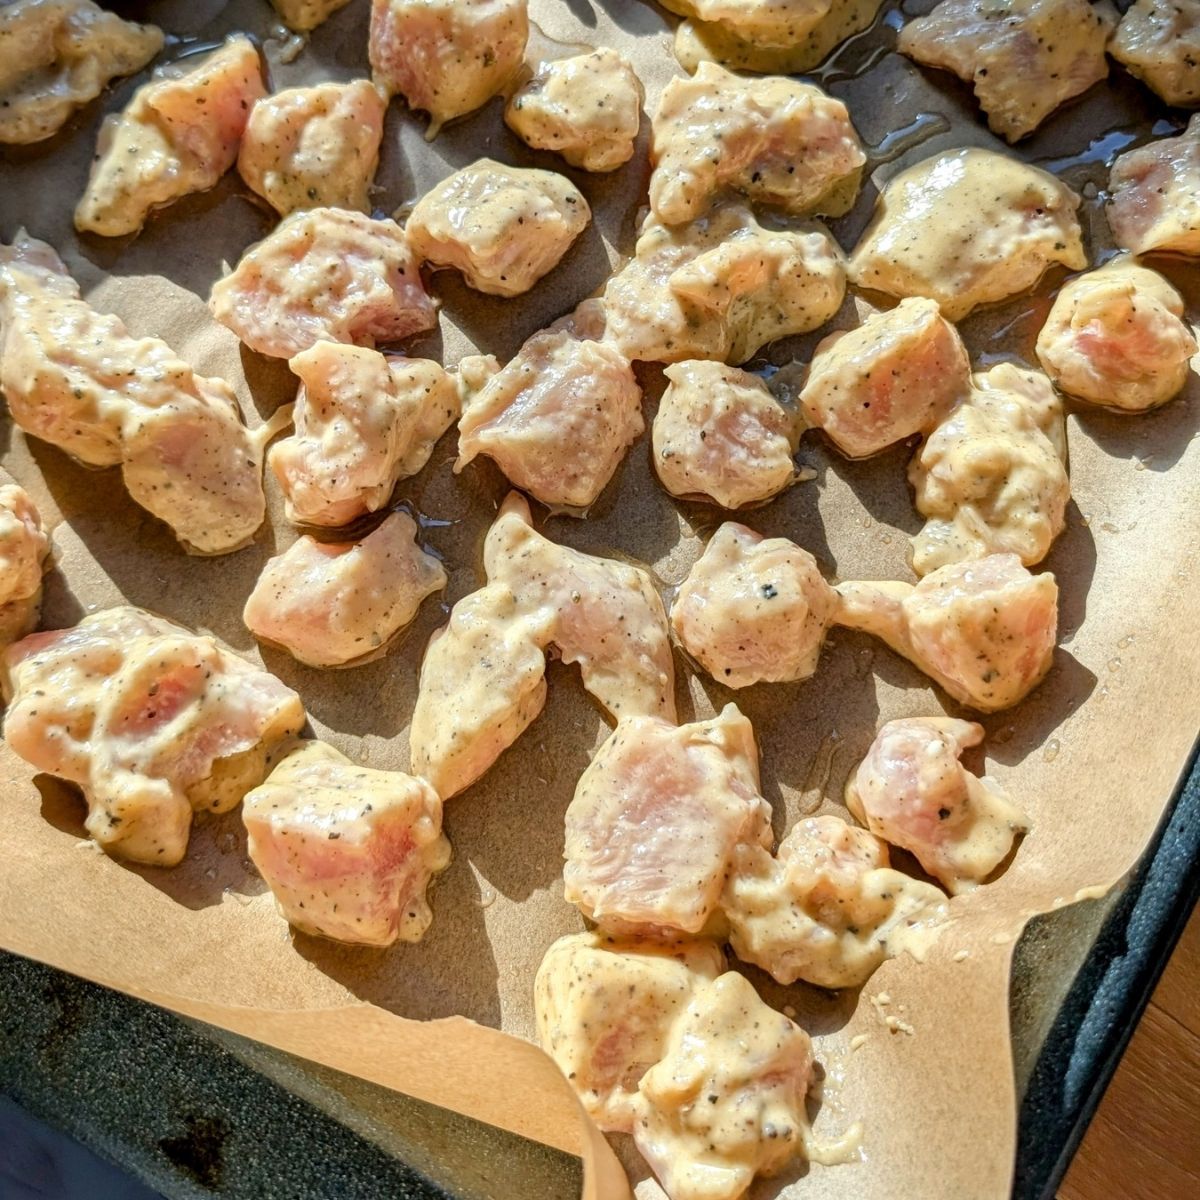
(1144, 1142)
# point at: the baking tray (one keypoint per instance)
(195, 1112)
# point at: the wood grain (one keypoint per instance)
(1143, 1143)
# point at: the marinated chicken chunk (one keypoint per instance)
(605, 1007)
(912, 791)
(1154, 195)
(310, 147)
(984, 630)
(1023, 57)
(557, 420)
(720, 435)
(1159, 42)
(656, 821)
(325, 274)
(57, 55)
(721, 287)
(151, 721)
(753, 610)
(24, 548)
(304, 15)
(968, 227)
(727, 1100)
(347, 851)
(364, 421)
(76, 378)
(179, 134)
(779, 142)
(785, 37)
(483, 677)
(1117, 337)
(992, 478)
(894, 376)
(587, 108)
(826, 907)
(332, 603)
(502, 227)
(447, 57)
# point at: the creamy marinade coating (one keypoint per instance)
(364, 420)
(447, 57)
(304, 15)
(76, 378)
(314, 147)
(720, 287)
(558, 418)
(333, 603)
(179, 134)
(720, 434)
(588, 108)
(1117, 337)
(911, 790)
(153, 722)
(1023, 57)
(57, 55)
(992, 477)
(502, 227)
(324, 274)
(968, 227)
(347, 851)
(483, 676)
(774, 140)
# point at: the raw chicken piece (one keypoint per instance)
(587, 108)
(1159, 42)
(24, 547)
(151, 721)
(721, 287)
(656, 821)
(778, 142)
(719, 434)
(727, 1100)
(77, 379)
(984, 630)
(557, 420)
(1117, 337)
(310, 147)
(605, 1007)
(347, 851)
(483, 677)
(753, 610)
(827, 908)
(179, 134)
(784, 37)
(1024, 57)
(897, 374)
(992, 478)
(1154, 195)
(325, 274)
(363, 422)
(303, 15)
(332, 603)
(968, 227)
(912, 791)
(57, 55)
(502, 227)
(447, 57)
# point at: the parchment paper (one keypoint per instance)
(1092, 755)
